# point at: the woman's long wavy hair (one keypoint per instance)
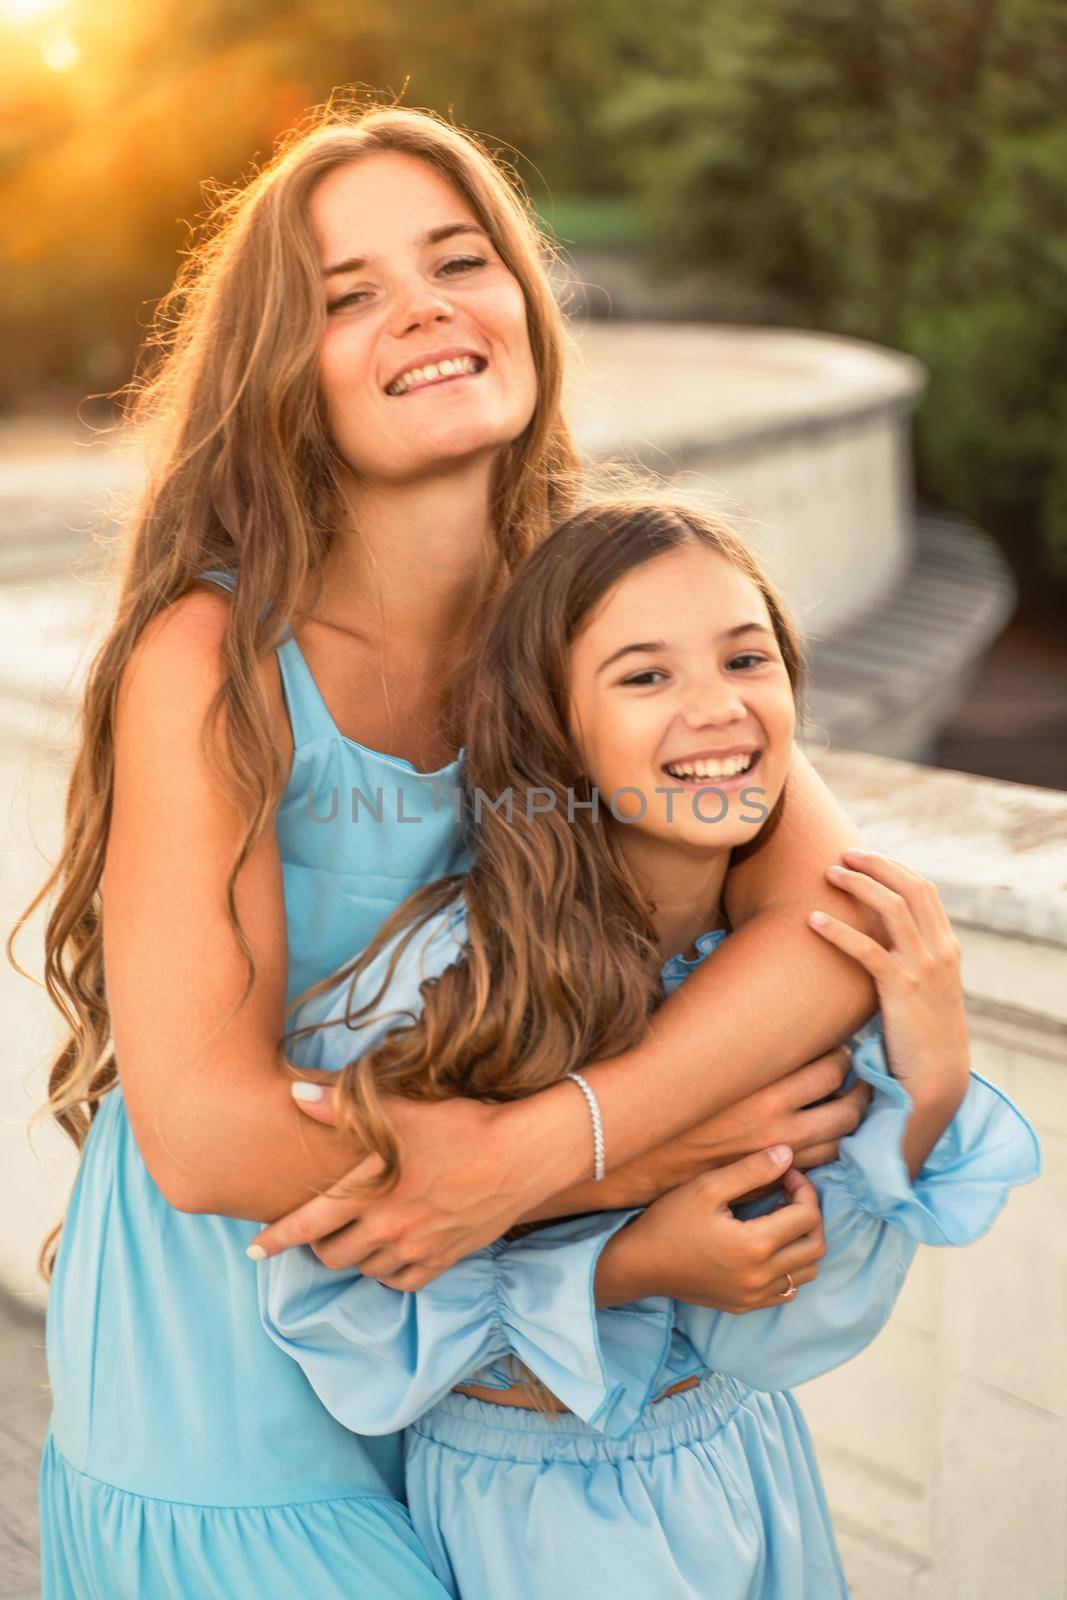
(561, 965)
(243, 474)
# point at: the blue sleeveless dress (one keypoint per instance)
(187, 1457)
(712, 1492)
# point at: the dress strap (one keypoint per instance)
(225, 577)
(308, 714)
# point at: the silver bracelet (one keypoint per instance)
(598, 1126)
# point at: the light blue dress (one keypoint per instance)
(187, 1457)
(711, 1493)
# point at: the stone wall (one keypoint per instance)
(943, 1445)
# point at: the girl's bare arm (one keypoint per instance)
(768, 1002)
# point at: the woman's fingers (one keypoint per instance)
(314, 1099)
(317, 1218)
(818, 1080)
(831, 1119)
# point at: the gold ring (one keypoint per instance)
(787, 1294)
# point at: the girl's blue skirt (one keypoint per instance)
(715, 1495)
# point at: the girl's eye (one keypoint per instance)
(644, 677)
(749, 658)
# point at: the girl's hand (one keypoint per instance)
(917, 975)
(690, 1246)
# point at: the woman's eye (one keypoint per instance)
(644, 677)
(747, 659)
(346, 300)
(464, 261)
(356, 295)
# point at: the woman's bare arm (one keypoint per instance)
(217, 1126)
(774, 997)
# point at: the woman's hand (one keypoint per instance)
(804, 1110)
(690, 1246)
(469, 1170)
(917, 974)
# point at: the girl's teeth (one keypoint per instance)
(711, 769)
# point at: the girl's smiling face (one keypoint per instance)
(677, 683)
(408, 274)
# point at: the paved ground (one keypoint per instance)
(24, 1406)
(1013, 723)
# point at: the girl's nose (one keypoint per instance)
(709, 705)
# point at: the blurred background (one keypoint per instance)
(895, 174)
(816, 256)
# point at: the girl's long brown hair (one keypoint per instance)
(561, 965)
(243, 473)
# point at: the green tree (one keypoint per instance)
(897, 172)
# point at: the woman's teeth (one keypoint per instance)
(440, 369)
(712, 769)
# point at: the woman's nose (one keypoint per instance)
(419, 306)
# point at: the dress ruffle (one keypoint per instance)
(874, 1217)
(986, 1150)
(99, 1542)
(378, 1357)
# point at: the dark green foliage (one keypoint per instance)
(897, 172)
(891, 169)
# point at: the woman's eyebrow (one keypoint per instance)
(650, 646)
(435, 235)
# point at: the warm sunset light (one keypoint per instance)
(26, 13)
(60, 51)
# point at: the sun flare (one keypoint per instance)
(28, 13)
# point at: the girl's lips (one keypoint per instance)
(740, 780)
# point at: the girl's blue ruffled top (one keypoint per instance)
(379, 1357)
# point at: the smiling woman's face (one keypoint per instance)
(703, 707)
(398, 293)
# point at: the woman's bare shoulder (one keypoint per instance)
(177, 665)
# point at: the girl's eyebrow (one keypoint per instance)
(435, 235)
(650, 646)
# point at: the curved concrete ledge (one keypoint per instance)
(803, 438)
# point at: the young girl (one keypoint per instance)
(631, 724)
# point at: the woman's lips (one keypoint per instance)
(440, 383)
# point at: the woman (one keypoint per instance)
(291, 448)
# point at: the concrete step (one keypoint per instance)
(886, 681)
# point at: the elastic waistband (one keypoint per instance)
(507, 1433)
